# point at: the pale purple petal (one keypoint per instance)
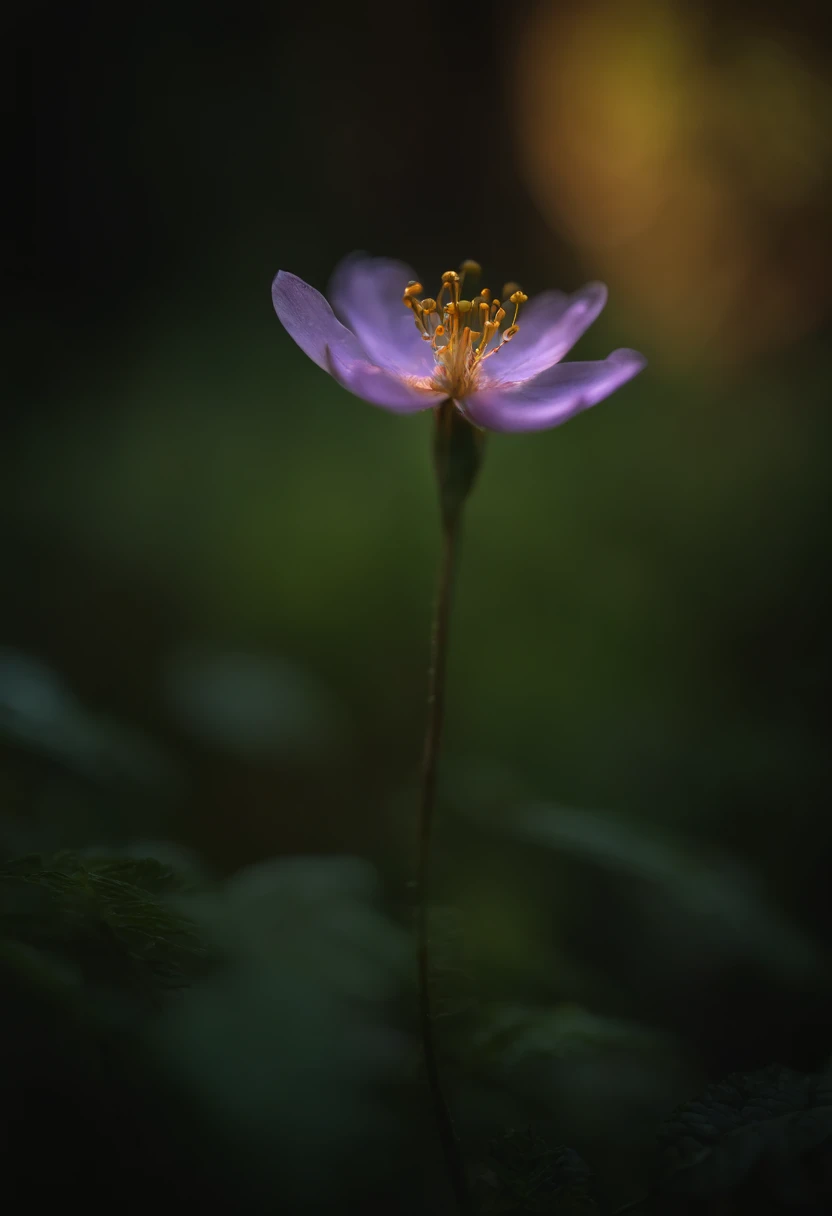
(554, 396)
(401, 394)
(549, 326)
(366, 294)
(308, 319)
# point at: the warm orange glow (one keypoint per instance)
(690, 165)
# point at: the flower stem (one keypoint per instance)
(436, 705)
(456, 451)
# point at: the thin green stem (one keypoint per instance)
(436, 706)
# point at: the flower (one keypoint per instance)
(501, 378)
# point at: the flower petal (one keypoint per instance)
(401, 394)
(554, 396)
(550, 325)
(367, 294)
(308, 319)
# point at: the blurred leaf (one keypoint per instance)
(36, 970)
(511, 1035)
(524, 1174)
(253, 704)
(145, 872)
(32, 698)
(766, 1120)
(39, 714)
(104, 915)
(718, 899)
(577, 1071)
(289, 1043)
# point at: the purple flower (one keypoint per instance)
(403, 351)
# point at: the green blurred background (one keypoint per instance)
(219, 566)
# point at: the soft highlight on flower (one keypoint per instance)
(501, 369)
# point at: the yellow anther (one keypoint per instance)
(460, 348)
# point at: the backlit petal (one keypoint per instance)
(555, 396)
(308, 319)
(549, 326)
(393, 392)
(366, 294)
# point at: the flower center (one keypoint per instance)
(462, 332)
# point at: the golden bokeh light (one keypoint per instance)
(689, 164)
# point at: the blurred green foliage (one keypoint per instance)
(217, 587)
(101, 916)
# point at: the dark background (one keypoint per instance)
(218, 566)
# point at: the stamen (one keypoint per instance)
(458, 348)
(517, 298)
